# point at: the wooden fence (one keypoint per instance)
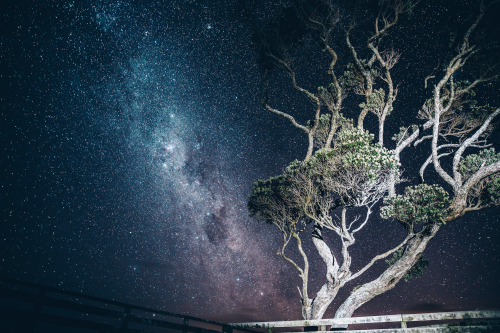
(28, 307)
(468, 323)
(31, 307)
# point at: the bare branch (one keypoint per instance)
(483, 172)
(282, 253)
(469, 142)
(380, 256)
(427, 162)
(368, 212)
(305, 273)
(309, 132)
(412, 137)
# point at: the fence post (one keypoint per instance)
(185, 322)
(467, 321)
(403, 322)
(126, 319)
(227, 329)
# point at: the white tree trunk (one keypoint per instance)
(390, 277)
(323, 298)
(315, 309)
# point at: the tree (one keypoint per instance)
(344, 170)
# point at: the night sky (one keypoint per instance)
(131, 134)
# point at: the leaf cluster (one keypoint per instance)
(488, 189)
(352, 77)
(421, 204)
(355, 171)
(323, 129)
(270, 201)
(355, 145)
(416, 270)
(375, 102)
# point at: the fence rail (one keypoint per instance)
(402, 318)
(46, 305)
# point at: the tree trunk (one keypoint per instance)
(391, 276)
(322, 300)
(315, 308)
(361, 118)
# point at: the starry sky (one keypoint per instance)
(131, 134)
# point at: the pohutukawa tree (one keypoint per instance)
(345, 169)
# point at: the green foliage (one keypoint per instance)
(294, 166)
(375, 102)
(488, 190)
(351, 78)
(493, 190)
(420, 204)
(283, 198)
(453, 36)
(325, 122)
(353, 149)
(468, 107)
(479, 111)
(326, 93)
(261, 190)
(316, 164)
(357, 150)
(323, 128)
(351, 137)
(471, 163)
(416, 270)
(265, 194)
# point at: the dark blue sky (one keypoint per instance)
(130, 136)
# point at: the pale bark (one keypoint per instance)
(465, 52)
(325, 252)
(391, 96)
(285, 66)
(391, 276)
(329, 290)
(334, 107)
(337, 276)
(459, 204)
(417, 244)
(368, 87)
(395, 8)
(467, 143)
(316, 206)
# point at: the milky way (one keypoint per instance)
(173, 147)
(132, 134)
(177, 164)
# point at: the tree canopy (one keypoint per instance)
(345, 166)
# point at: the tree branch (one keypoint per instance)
(380, 256)
(282, 253)
(458, 155)
(326, 254)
